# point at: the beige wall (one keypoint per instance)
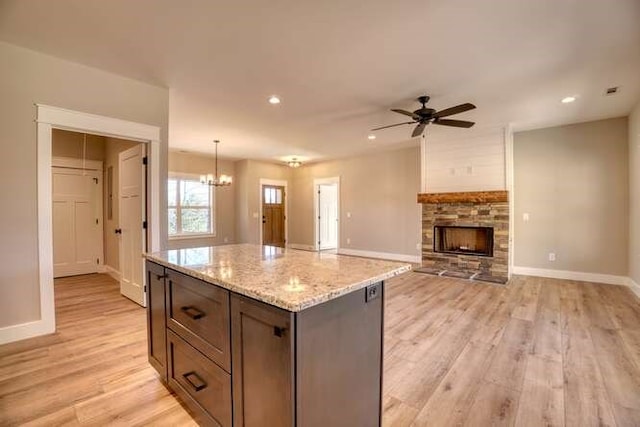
(225, 209)
(70, 144)
(27, 78)
(113, 146)
(573, 182)
(379, 190)
(247, 183)
(634, 191)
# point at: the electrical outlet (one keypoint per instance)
(525, 217)
(552, 256)
(418, 246)
(226, 240)
(373, 292)
(348, 241)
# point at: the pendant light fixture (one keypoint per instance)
(215, 180)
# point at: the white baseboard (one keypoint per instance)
(25, 330)
(111, 272)
(572, 275)
(301, 246)
(635, 287)
(381, 255)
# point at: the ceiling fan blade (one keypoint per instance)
(406, 113)
(454, 123)
(390, 126)
(419, 129)
(454, 110)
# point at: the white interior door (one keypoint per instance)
(77, 225)
(328, 216)
(131, 196)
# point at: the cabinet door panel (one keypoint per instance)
(199, 313)
(262, 363)
(156, 326)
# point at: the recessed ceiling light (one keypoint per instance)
(371, 137)
(568, 99)
(274, 100)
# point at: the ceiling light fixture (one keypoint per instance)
(371, 137)
(568, 99)
(215, 180)
(294, 163)
(273, 99)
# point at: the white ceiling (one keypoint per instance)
(339, 65)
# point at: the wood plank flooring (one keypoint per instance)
(538, 352)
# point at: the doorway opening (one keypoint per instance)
(327, 214)
(99, 213)
(49, 118)
(273, 212)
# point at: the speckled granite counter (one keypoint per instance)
(286, 278)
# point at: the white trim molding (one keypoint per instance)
(49, 118)
(381, 255)
(609, 279)
(111, 272)
(635, 287)
(301, 247)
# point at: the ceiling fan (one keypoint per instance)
(424, 116)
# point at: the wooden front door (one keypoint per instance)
(273, 215)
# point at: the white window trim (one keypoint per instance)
(212, 195)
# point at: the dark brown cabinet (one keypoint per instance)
(156, 325)
(235, 361)
(203, 385)
(199, 313)
(262, 348)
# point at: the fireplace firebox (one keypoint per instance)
(463, 240)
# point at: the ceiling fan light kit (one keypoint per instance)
(424, 116)
(215, 180)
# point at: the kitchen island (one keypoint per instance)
(250, 335)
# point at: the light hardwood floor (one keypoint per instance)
(536, 352)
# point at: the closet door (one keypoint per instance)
(77, 229)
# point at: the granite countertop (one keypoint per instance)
(287, 278)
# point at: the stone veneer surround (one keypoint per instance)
(473, 209)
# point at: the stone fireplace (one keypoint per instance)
(466, 235)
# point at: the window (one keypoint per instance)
(190, 207)
(272, 195)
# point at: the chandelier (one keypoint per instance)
(215, 180)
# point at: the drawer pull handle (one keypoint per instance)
(278, 331)
(192, 312)
(198, 384)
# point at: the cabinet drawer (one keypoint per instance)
(200, 383)
(199, 313)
